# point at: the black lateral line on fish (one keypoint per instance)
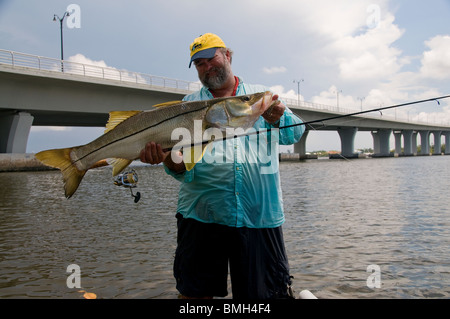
(207, 105)
(436, 99)
(140, 131)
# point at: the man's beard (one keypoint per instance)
(216, 81)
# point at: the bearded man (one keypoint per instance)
(230, 207)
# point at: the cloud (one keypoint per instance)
(358, 52)
(337, 19)
(436, 61)
(359, 48)
(80, 64)
(442, 117)
(371, 55)
(290, 97)
(80, 58)
(368, 59)
(335, 97)
(274, 69)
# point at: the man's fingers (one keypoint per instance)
(152, 153)
(147, 154)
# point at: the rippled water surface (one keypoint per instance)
(341, 217)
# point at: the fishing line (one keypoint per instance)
(346, 122)
(380, 109)
(436, 99)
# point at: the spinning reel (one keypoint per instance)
(129, 180)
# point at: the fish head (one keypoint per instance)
(238, 111)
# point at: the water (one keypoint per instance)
(341, 217)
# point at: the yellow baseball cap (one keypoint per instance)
(204, 47)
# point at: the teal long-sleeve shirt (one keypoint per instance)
(237, 183)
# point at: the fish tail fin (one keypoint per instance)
(60, 158)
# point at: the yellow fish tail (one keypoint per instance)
(60, 158)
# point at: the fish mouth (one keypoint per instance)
(267, 100)
(263, 104)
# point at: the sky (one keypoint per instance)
(369, 53)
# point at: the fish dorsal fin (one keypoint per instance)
(167, 104)
(117, 117)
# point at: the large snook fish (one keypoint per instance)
(127, 133)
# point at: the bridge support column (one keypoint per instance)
(414, 142)
(437, 142)
(381, 143)
(447, 143)
(425, 142)
(398, 142)
(408, 143)
(14, 130)
(300, 147)
(347, 136)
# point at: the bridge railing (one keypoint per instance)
(102, 71)
(98, 71)
(388, 115)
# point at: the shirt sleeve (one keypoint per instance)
(290, 135)
(186, 176)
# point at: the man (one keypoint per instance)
(230, 209)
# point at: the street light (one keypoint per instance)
(337, 94)
(361, 99)
(298, 90)
(56, 17)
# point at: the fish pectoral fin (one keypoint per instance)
(60, 158)
(118, 164)
(117, 117)
(193, 155)
(100, 163)
(167, 103)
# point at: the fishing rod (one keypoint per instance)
(380, 109)
(436, 99)
(129, 179)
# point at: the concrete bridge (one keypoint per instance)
(48, 92)
(381, 127)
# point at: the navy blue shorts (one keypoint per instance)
(257, 258)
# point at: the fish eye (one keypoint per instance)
(246, 98)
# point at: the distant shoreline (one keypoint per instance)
(27, 162)
(21, 163)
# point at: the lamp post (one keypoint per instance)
(56, 17)
(361, 99)
(337, 94)
(298, 90)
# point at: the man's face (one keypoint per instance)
(213, 72)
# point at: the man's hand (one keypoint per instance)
(274, 112)
(153, 154)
